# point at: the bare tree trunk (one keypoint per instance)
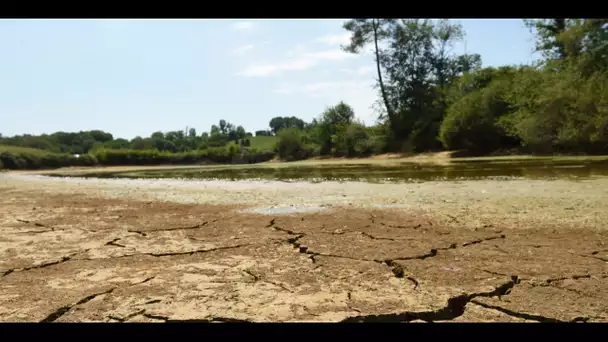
(389, 111)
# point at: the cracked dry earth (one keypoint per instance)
(74, 257)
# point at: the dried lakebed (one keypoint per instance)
(117, 250)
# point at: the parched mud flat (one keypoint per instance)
(166, 250)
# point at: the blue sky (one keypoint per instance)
(134, 77)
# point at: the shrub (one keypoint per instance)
(471, 123)
(291, 145)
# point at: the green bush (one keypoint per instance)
(155, 157)
(292, 145)
(352, 140)
(472, 122)
(560, 112)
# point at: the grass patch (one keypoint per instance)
(261, 143)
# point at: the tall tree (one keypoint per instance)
(548, 32)
(364, 32)
(333, 119)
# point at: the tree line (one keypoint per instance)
(225, 142)
(171, 141)
(429, 99)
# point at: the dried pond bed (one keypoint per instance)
(130, 250)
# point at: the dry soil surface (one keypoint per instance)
(169, 250)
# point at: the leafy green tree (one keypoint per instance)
(158, 135)
(223, 127)
(278, 123)
(471, 122)
(548, 36)
(332, 120)
(215, 130)
(240, 132)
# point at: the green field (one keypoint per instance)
(261, 143)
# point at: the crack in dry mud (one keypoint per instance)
(60, 312)
(592, 255)
(34, 223)
(290, 232)
(396, 268)
(474, 242)
(260, 278)
(197, 251)
(598, 258)
(574, 277)
(45, 264)
(453, 218)
(372, 219)
(455, 307)
(399, 226)
(413, 280)
(530, 317)
(552, 281)
(71, 257)
(434, 251)
(127, 317)
(144, 281)
(37, 231)
(166, 319)
(200, 225)
(494, 273)
(375, 237)
(113, 243)
(37, 224)
(57, 314)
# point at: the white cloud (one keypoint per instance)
(303, 62)
(241, 50)
(243, 26)
(334, 39)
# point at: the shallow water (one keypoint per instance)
(389, 173)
